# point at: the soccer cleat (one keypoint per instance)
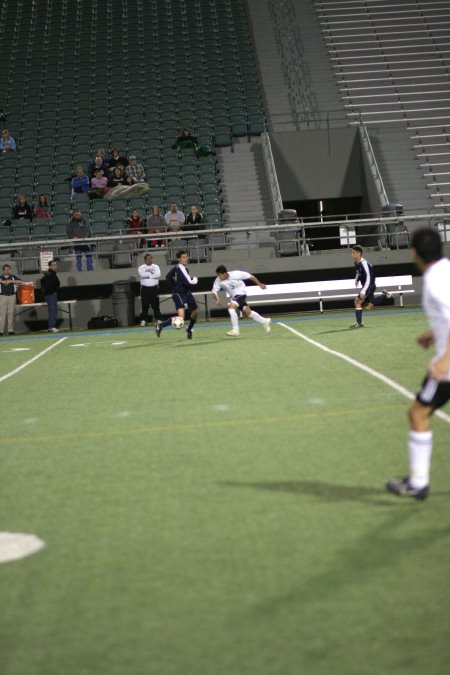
(158, 328)
(188, 334)
(268, 325)
(143, 323)
(232, 333)
(403, 488)
(357, 325)
(386, 294)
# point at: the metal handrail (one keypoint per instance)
(250, 227)
(269, 163)
(376, 173)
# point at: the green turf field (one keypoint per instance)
(216, 506)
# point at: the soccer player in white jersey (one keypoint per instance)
(435, 391)
(233, 283)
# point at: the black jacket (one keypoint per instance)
(50, 283)
(24, 211)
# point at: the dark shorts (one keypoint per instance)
(241, 301)
(369, 297)
(433, 393)
(185, 301)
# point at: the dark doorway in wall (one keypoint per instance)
(325, 236)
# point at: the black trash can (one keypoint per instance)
(123, 303)
(397, 233)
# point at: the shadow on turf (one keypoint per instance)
(339, 330)
(329, 492)
(184, 343)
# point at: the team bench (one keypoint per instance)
(312, 291)
(21, 309)
(324, 291)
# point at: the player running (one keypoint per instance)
(233, 284)
(365, 276)
(181, 283)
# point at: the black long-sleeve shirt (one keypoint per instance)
(50, 283)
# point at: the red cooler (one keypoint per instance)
(26, 294)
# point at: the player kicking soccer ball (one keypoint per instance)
(181, 283)
(233, 284)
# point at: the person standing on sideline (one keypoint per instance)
(8, 290)
(233, 284)
(79, 228)
(365, 276)
(181, 283)
(149, 275)
(50, 285)
(427, 253)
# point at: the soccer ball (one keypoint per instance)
(177, 322)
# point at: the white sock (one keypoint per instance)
(420, 446)
(257, 317)
(234, 319)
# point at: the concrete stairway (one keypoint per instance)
(403, 180)
(293, 61)
(276, 94)
(392, 67)
(245, 194)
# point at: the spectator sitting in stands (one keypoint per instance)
(117, 177)
(116, 160)
(195, 219)
(101, 152)
(22, 210)
(99, 185)
(42, 207)
(7, 142)
(185, 140)
(119, 188)
(134, 172)
(174, 218)
(80, 182)
(135, 225)
(156, 224)
(98, 164)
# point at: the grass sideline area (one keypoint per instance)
(216, 506)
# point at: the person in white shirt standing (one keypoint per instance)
(233, 283)
(149, 274)
(427, 253)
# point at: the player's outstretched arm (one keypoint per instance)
(258, 282)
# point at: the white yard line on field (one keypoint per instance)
(35, 358)
(374, 373)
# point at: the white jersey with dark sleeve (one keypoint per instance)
(234, 285)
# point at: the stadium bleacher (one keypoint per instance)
(79, 76)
